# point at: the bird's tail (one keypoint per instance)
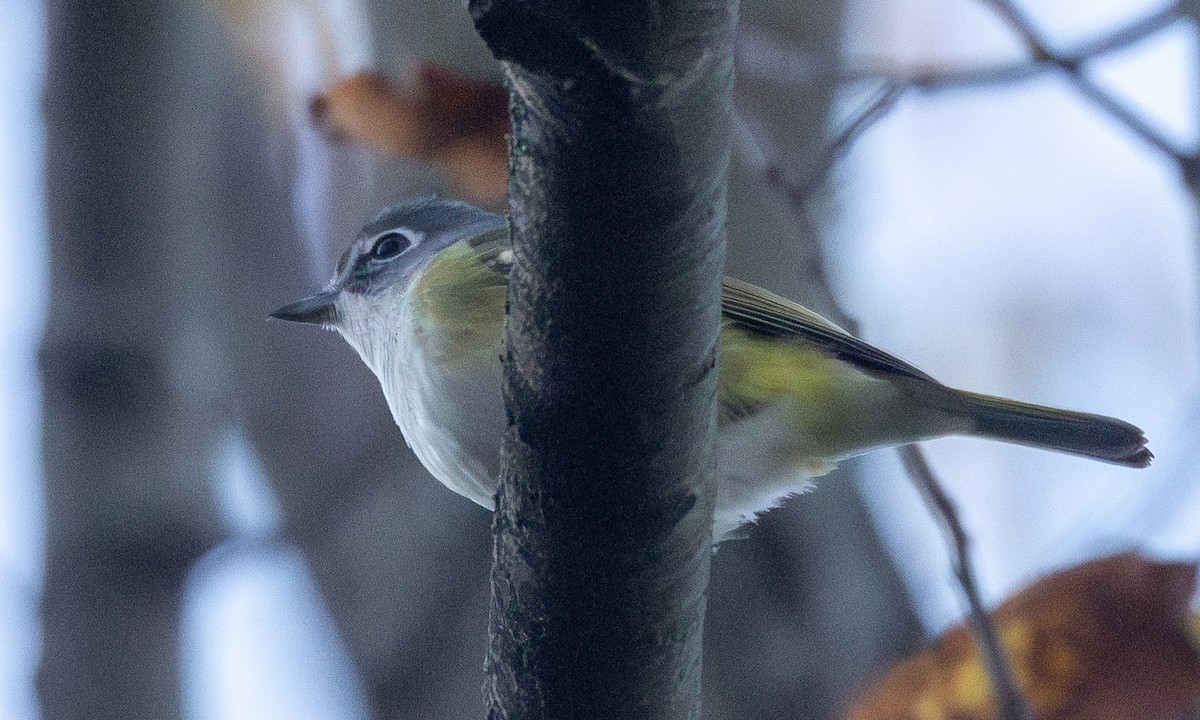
(1094, 436)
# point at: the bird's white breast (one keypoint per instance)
(452, 416)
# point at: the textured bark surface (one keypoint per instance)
(621, 116)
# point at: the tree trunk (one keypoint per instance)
(621, 115)
(131, 361)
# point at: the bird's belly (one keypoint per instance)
(454, 422)
(759, 465)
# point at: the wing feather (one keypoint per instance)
(765, 313)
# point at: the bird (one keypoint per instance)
(420, 295)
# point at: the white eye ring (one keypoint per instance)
(390, 244)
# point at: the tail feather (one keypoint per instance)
(1095, 436)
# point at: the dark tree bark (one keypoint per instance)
(621, 116)
(131, 361)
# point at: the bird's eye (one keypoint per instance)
(389, 246)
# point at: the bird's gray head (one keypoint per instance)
(389, 252)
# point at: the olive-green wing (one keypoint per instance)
(764, 313)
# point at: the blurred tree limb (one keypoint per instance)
(131, 362)
(1042, 59)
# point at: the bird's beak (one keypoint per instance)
(319, 309)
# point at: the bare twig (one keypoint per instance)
(1002, 74)
(1010, 702)
(1043, 59)
(1040, 50)
(764, 59)
(1023, 26)
(798, 193)
(1005, 73)
(1130, 34)
(1133, 122)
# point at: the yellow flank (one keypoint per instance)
(757, 370)
(461, 299)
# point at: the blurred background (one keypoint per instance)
(207, 515)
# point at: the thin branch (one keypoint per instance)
(1023, 26)
(1010, 702)
(1131, 34)
(762, 58)
(798, 193)
(1043, 60)
(1073, 67)
(1004, 73)
(1133, 122)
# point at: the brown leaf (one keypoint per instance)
(453, 122)
(1106, 640)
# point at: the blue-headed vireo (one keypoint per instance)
(420, 295)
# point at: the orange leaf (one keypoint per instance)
(1106, 640)
(456, 123)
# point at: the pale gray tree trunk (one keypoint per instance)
(132, 361)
